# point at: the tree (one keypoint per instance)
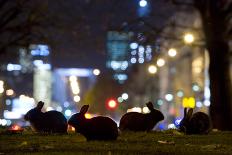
(216, 24)
(21, 23)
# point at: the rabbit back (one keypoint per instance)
(200, 123)
(55, 121)
(134, 121)
(99, 128)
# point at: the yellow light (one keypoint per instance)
(172, 52)
(160, 62)
(188, 38)
(185, 102)
(77, 98)
(96, 72)
(72, 78)
(88, 116)
(152, 69)
(189, 102)
(9, 92)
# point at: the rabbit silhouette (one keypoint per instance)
(51, 121)
(96, 128)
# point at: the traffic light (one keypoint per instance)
(111, 104)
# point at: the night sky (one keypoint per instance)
(81, 42)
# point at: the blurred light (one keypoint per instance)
(135, 109)
(49, 109)
(133, 52)
(142, 3)
(1, 83)
(177, 122)
(160, 62)
(188, 38)
(3, 122)
(169, 97)
(59, 108)
(40, 50)
(199, 104)
(1, 90)
(8, 122)
(38, 62)
(146, 110)
(8, 102)
(171, 126)
(207, 103)
(120, 99)
(192, 102)
(124, 65)
(152, 69)
(207, 93)
(188, 102)
(66, 104)
(9, 92)
(88, 116)
(112, 104)
(160, 102)
(172, 52)
(68, 112)
(195, 88)
(96, 72)
(134, 46)
(125, 96)
(141, 60)
(13, 67)
(15, 127)
(133, 60)
(180, 93)
(72, 78)
(77, 98)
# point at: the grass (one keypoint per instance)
(166, 142)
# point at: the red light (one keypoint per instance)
(112, 104)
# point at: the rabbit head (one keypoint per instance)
(79, 118)
(185, 122)
(156, 113)
(197, 123)
(51, 121)
(34, 113)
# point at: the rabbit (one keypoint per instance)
(135, 121)
(51, 121)
(96, 128)
(197, 123)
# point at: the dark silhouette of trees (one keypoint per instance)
(217, 28)
(21, 23)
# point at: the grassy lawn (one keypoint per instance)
(167, 142)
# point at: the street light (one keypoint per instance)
(188, 38)
(142, 3)
(152, 69)
(160, 62)
(172, 52)
(96, 72)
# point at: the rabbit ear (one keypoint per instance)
(150, 106)
(185, 112)
(40, 105)
(189, 114)
(84, 109)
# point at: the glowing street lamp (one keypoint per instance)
(152, 69)
(172, 52)
(96, 72)
(142, 3)
(188, 38)
(160, 62)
